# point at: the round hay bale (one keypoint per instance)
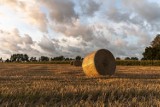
(101, 62)
(77, 63)
(71, 63)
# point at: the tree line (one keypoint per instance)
(26, 58)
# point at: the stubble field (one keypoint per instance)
(65, 85)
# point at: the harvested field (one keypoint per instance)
(65, 85)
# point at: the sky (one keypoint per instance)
(77, 27)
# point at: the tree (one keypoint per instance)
(19, 58)
(156, 41)
(127, 58)
(118, 58)
(1, 60)
(33, 59)
(7, 60)
(78, 58)
(59, 58)
(66, 59)
(25, 57)
(153, 52)
(134, 58)
(148, 54)
(44, 58)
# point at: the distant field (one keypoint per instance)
(65, 85)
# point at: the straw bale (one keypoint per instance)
(101, 62)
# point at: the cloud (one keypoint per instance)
(2, 14)
(89, 7)
(143, 36)
(12, 42)
(147, 10)
(118, 16)
(47, 45)
(29, 12)
(27, 39)
(61, 11)
(75, 30)
(141, 13)
(66, 21)
(37, 18)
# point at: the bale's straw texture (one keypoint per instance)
(101, 62)
(77, 63)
